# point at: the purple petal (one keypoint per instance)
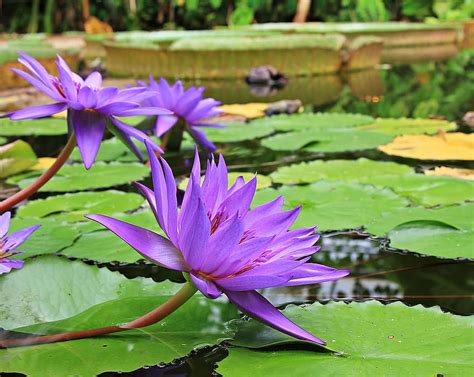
(164, 123)
(94, 80)
(117, 108)
(201, 139)
(312, 273)
(136, 95)
(245, 283)
(17, 238)
(67, 83)
(6, 265)
(135, 133)
(207, 287)
(4, 223)
(166, 94)
(149, 244)
(89, 127)
(149, 196)
(253, 217)
(35, 67)
(258, 307)
(87, 97)
(46, 89)
(195, 227)
(239, 201)
(106, 95)
(38, 111)
(146, 111)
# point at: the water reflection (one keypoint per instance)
(386, 275)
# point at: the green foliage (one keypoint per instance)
(44, 126)
(371, 11)
(15, 158)
(368, 339)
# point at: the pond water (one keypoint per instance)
(378, 271)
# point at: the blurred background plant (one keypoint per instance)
(67, 15)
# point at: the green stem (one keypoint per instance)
(156, 315)
(7, 204)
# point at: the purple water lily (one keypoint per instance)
(90, 106)
(187, 105)
(10, 243)
(222, 245)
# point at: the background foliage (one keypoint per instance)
(64, 15)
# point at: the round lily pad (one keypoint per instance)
(335, 205)
(263, 181)
(38, 127)
(76, 177)
(369, 339)
(409, 126)
(238, 132)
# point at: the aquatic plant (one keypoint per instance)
(189, 112)
(91, 108)
(220, 245)
(8, 243)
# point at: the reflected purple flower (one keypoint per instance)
(8, 243)
(224, 246)
(187, 105)
(90, 106)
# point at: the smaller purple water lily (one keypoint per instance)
(186, 105)
(223, 246)
(10, 243)
(91, 107)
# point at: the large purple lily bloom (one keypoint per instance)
(188, 105)
(222, 245)
(9, 243)
(90, 106)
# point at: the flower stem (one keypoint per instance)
(156, 315)
(41, 181)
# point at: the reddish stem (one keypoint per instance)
(7, 204)
(156, 315)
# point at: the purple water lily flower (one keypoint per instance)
(187, 105)
(90, 106)
(222, 245)
(10, 243)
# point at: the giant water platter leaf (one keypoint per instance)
(37, 127)
(77, 178)
(89, 297)
(370, 339)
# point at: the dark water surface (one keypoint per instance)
(378, 272)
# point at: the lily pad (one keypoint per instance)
(248, 110)
(361, 170)
(335, 205)
(371, 339)
(445, 171)
(408, 126)
(429, 190)
(263, 181)
(15, 158)
(91, 297)
(449, 146)
(51, 237)
(76, 178)
(38, 127)
(72, 287)
(433, 238)
(326, 141)
(238, 132)
(319, 121)
(73, 207)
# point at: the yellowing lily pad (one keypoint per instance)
(43, 163)
(443, 146)
(452, 172)
(248, 110)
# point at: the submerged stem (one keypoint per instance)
(41, 181)
(156, 315)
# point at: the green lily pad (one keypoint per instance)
(327, 141)
(90, 297)
(361, 170)
(263, 181)
(76, 177)
(319, 121)
(335, 205)
(15, 158)
(2, 140)
(38, 127)
(51, 288)
(429, 190)
(51, 237)
(433, 238)
(371, 339)
(238, 132)
(73, 207)
(408, 126)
